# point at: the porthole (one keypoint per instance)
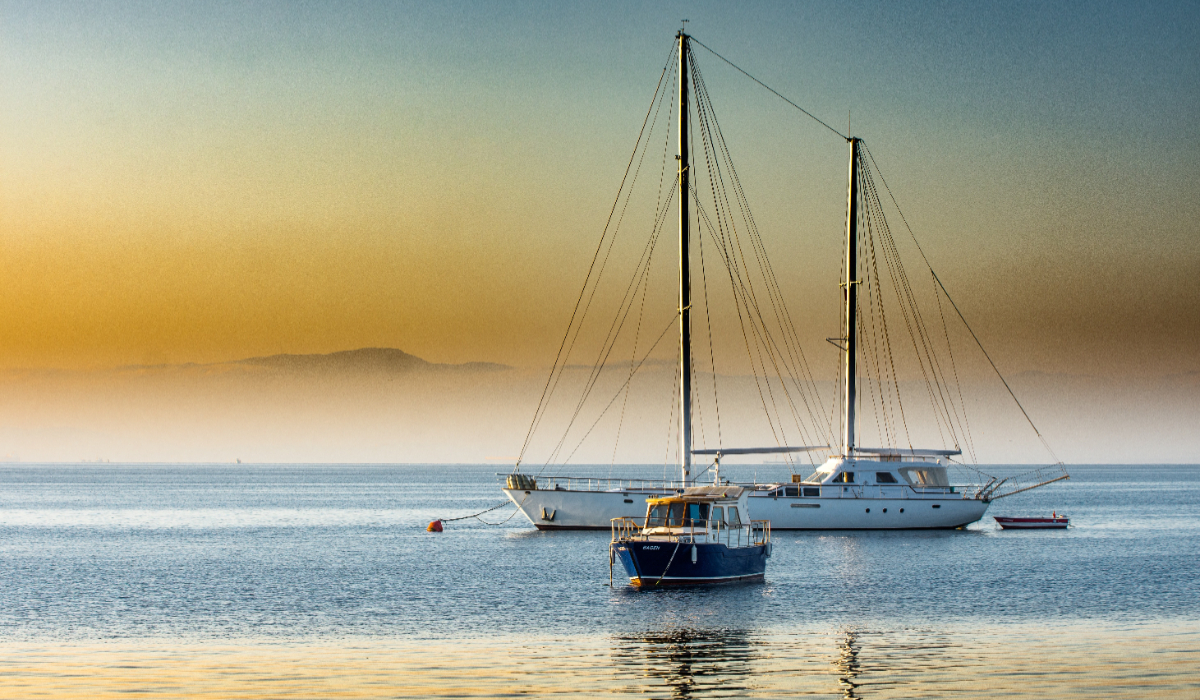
(629, 500)
(885, 510)
(901, 510)
(936, 506)
(868, 510)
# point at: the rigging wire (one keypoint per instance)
(708, 321)
(938, 388)
(884, 420)
(726, 235)
(671, 433)
(618, 323)
(542, 401)
(875, 299)
(795, 351)
(730, 268)
(970, 441)
(660, 209)
(773, 91)
(621, 389)
(697, 405)
(909, 311)
(614, 330)
(762, 340)
(958, 311)
(632, 366)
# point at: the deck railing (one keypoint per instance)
(753, 533)
(550, 482)
(604, 484)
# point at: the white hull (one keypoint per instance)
(580, 510)
(867, 512)
(852, 508)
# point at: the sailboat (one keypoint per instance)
(856, 487)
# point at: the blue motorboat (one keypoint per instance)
(696, 535)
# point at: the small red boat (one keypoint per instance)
(1054, 522)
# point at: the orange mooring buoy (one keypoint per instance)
(435, 526)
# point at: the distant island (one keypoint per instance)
(365, 360)
(360, 361)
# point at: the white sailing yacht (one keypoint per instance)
(856, 488)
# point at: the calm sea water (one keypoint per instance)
(319, 581)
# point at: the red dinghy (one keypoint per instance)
(1054, 522)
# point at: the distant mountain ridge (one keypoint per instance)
(390, 360)
(362, 360)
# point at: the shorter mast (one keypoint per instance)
(851, 294)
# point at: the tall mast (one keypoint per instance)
(851, 285)
(685, 274)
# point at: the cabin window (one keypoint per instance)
(734, 520)
(679, 514)
(718, 514)
(844, 478)
(812, 492)
(817, 476)
(925, 476)
(884, 478)
(791, 491)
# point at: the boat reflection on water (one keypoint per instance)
(690, 663)
(694, 663)
(847, 665)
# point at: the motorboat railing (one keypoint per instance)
(751, 534)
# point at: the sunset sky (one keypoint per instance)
(202, 182)
(194, 182)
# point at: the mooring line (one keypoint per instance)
(669, 562)
(488, 510)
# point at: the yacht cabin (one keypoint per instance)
(841, 476)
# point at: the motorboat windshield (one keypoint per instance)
(677, 514)
(697, 507)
